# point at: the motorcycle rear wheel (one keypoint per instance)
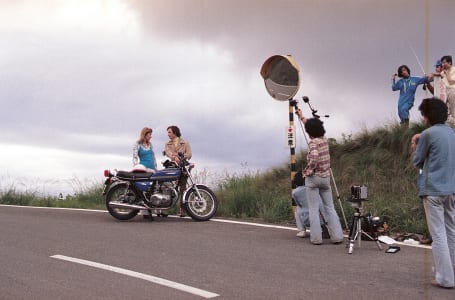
(201, 208)
(120, 194)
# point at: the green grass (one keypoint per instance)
(86, 197)
(255, 196)
(379, 159)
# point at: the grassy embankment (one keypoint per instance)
(379, 159)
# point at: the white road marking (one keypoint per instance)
(157, 280)
(254, 224)
(57, 208)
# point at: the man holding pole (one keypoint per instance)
(317, 181)
(407, 86)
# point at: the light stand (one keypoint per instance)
(282, 81)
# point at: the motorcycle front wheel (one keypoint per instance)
(120, 194)
(200, 203)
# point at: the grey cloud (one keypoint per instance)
(91, 93)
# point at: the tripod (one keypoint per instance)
(356, 231)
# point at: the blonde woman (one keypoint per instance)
(143, 151)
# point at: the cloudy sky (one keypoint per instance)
(80, 78)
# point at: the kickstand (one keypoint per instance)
(150, 214)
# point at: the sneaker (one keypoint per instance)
(316, 242)
(301, 234)
(435, 283)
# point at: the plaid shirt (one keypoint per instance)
(318, 158)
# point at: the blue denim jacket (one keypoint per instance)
(435, 155)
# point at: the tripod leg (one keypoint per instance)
(359, 230)
(375, 238)
(353, 234)
(378, 244)
(338, 197)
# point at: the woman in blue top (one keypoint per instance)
(407, 86)
(143, 151)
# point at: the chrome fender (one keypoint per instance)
(115, 183)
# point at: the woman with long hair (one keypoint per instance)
(143, 150)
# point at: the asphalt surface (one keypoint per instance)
(231, 261)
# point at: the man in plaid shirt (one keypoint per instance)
(317, 181)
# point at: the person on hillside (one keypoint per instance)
(302, 219)
(407, 86)
(172, 149)
(143, 151)
(434, 154)
(317, 182)
(448, 77)
(438, 89)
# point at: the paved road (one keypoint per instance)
(233, 261)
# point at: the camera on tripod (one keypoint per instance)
(363, 226)
(359, 193)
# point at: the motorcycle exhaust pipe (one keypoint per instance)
(125, 205)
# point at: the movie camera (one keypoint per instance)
(372, 226)
(359, 193)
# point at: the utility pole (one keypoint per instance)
(292, 145)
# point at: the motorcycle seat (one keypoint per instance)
(134, 175)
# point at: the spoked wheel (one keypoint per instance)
(200, 203)
(120, 194)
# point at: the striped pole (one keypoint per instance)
(291, 143)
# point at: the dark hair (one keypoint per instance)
(298, 179)
(435, 110)
(314, 128)
(175, 130)
(447, 58)
(400, 73)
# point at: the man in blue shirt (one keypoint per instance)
(435, 156)
(407, 86)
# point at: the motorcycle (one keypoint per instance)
(127, 192)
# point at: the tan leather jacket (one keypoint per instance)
(183, 146)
